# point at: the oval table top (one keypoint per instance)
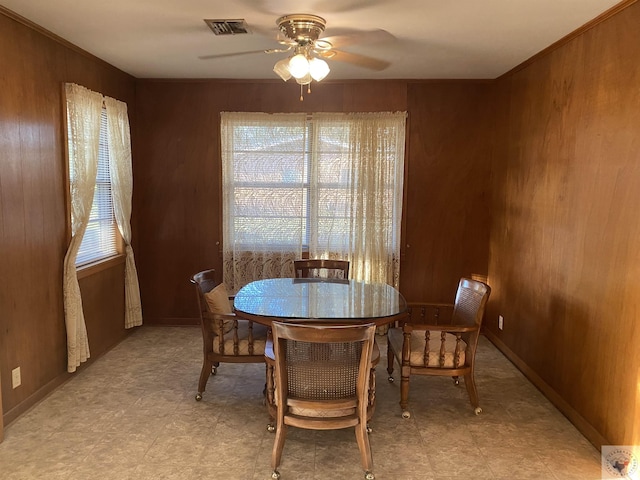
(331, 301)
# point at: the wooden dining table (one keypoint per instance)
(328, 301)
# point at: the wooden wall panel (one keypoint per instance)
(33, 213)
(565, 240)
(177, 169)
(447, 186)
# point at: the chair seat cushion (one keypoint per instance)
(259, 339)
(417, 356)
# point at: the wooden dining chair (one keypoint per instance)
(321, 267)
(225, 337)
(270, 360)
(440, 339)
(322, 382)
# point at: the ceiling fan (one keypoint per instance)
(300, 34)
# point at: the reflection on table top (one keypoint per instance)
(321, 299)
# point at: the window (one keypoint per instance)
(100, 237)
(326, 184)
(270, 185)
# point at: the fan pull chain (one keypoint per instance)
(301, 92)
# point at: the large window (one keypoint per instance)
(100, 237)
(326, 184)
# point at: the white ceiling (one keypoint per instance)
(433, 38)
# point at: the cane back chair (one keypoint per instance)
(225, 337)
(440, 339)
(270, 360)
(322, 382)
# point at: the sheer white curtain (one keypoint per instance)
(84, 109)
(122, 191)
(361, 155)
(330, 183)
(263, 169)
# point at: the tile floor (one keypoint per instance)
(132, 415)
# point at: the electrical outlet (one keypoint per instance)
(500, 322)
(16, 379)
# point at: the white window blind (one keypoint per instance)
(99, 239)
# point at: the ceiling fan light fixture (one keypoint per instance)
(282, 69)
(299, 66)
(318, 69)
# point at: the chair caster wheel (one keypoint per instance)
(275, 475)
(271, 428)
(406, 414)
(369, 476)
(478, 411)
(214, 370)
(198, 397)
(456, 381)
(369, 429)
(391, 379)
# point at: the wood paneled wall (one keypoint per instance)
(33, 212)
(177, 170)
(565, 240)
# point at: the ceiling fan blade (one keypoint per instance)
(370, 36)
(356, 59)
(235, 54)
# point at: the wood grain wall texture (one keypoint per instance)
(565, 241)
(177, 170)
(33, 212)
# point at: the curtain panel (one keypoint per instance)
(119, 138)
(84, 109)
(262, 208)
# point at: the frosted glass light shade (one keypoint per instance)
(306, 80)
(318, 69)
(298, 66)
(282, 69)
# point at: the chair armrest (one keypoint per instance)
(408, 327)
(218, 316)
(215, 322)
(426, 304)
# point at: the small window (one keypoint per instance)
(100, 238)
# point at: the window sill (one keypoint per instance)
(96, 267)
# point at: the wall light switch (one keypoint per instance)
(500, 322)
